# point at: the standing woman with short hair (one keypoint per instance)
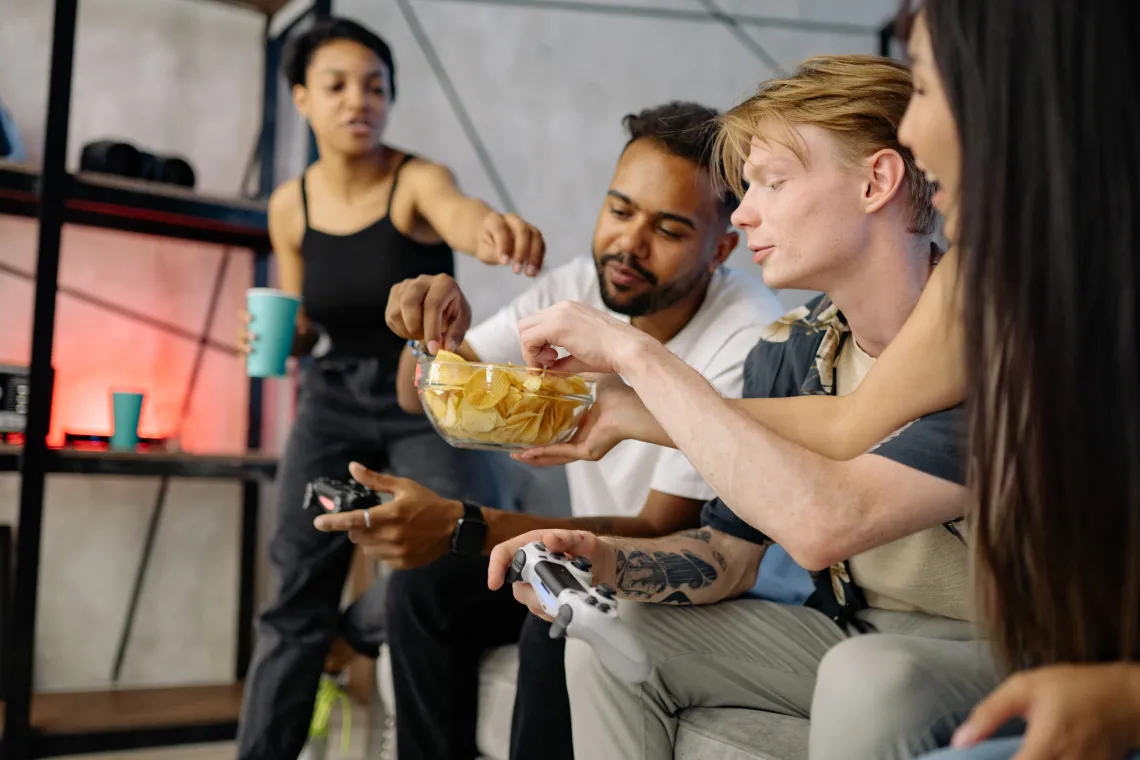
(361, 219)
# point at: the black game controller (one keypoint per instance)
(326, 496)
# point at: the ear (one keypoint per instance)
(301, 99)
(724, 248)
(886, 172)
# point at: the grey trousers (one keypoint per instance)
(890, 694)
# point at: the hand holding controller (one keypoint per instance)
(564, 588)
(326, 496)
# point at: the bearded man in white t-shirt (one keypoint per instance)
(659, 247)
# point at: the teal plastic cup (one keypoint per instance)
(273, 319)
(126, 408)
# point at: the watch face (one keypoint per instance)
(469, 537)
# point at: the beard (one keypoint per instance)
(653, 299)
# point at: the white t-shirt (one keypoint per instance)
(715, 342)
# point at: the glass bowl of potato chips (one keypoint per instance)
(500, 407)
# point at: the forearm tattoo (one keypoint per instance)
(644, 576)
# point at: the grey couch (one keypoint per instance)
(705, 733)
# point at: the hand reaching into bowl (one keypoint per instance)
(617, 415)
(429, 308)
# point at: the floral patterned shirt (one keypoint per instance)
(797, 357)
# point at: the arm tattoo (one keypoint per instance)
(643, 575)
(704, 534)
(677, 597)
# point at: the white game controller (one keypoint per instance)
(565, 590)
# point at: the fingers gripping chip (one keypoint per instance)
(450, 369)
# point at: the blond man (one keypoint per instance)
(877, 649)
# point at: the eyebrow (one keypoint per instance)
(341, 72)
(660, 214)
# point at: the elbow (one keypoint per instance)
(816, 550)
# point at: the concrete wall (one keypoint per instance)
(522, 101)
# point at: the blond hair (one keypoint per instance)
(859, 98)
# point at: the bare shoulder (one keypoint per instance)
(286, 199)
(426, 173)
(286, 217)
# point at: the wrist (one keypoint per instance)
(633, 354)
(465, 534)
(604, 562)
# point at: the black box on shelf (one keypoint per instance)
(13, 398)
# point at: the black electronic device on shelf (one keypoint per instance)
(13, 398)
(125, 160)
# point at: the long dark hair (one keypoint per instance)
(1044, 97)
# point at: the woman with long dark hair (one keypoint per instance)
(361, 219)
(1026, 113)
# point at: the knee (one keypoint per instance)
(881, 666)
(892, 710)
(420, 598)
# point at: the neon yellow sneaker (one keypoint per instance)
(329, 694)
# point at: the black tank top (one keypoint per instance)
(347, 279)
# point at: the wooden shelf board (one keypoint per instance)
(86, 712)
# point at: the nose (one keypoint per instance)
(905, 127)
(747, 214)
(636, 236)
(354, 95)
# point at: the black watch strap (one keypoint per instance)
(470, 531)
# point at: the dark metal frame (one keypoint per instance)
(56, 198)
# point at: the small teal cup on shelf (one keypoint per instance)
(126, 409)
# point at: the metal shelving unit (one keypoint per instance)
(48, 725)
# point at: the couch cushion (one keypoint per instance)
(730, 733)
(703, 734)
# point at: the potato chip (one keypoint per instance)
(450, 369)
(486, 389)
(451, 416)
(529, 434)
(478, 420)
(513, 397)
(527, 379)
(557, 386)
(437, 402)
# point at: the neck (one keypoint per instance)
(345, 177)
(881, 289)
(665, 323)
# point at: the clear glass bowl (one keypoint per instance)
(500, 407)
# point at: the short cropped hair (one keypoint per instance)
(686, 130)
(299, 50)
(860, 99)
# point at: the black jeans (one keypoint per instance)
(441, 620)
(346, 412)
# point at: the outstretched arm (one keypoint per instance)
(471, 226)
(920, 372)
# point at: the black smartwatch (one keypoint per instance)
(470, 531)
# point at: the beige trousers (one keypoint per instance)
(876, 696)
